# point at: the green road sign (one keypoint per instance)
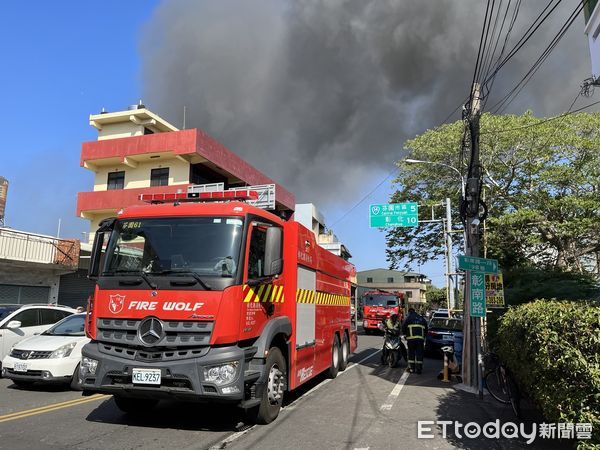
(477, 297)
(394, 215)
(477, 264)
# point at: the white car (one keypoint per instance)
(53, 356)
(18, 322)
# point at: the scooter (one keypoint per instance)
(393, 347)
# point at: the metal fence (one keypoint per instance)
(35, 248)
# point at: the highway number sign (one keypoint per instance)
(394, 215)
(477, 290)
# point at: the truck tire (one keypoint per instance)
(345, 353)
(272, 396)
(135, 406)
(76, 380)
(336, 356)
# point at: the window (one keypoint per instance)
(369, 280)
(409, 294)
(50, 316)
(116, 180)
(390, 279)
(28, 318)
(256, 254)
(159, 177)
(204, 245)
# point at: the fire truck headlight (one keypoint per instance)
(221, 374)
(88, 366)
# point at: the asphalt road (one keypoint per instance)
(366, 406)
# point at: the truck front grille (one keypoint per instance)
(176, 334)
(137, 354)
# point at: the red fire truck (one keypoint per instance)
(212, 301)
(378, 306)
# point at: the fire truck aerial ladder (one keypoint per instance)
(207, 296)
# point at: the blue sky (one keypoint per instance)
(65, 60)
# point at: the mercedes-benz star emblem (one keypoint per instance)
(151, 331)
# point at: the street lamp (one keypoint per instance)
(448, 239)
(462, 179)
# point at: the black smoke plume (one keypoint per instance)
(321, 95)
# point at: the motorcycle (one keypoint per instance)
(393, 347)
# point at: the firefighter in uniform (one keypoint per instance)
(415, 330)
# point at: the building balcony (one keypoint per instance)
(29, 250)
(102, 202)
(189, 146)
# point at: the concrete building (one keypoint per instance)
(31, 266)
(414, 285)
(309, 216)
(138, 152)
(591, 12)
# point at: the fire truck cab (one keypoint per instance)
(378, 306)
(216, 301)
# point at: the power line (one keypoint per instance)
(539, 20)
(503, 103)
(568, 113)
(363, 199)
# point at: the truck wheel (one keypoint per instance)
(345, 353)
(76, 380)
(336, 356)
(272, 396)
(134, 405)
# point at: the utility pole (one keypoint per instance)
(450, 288)
(472, 325)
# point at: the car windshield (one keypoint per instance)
(69, 326)
(446, 324)
(389, 301)
(208, 246)
(6, 310)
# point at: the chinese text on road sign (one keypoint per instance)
(394, 215)
(477, 289)
(477, 264)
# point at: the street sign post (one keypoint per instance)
(477, 290)
(478, 270)
(394, 215)
(473, 263)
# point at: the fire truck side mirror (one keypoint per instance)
(273, 251)
(106, 227)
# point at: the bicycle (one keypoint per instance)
(500, 383)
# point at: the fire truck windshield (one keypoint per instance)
(208, 246)
(381, 300)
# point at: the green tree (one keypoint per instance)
(541, 188)
(436, 297)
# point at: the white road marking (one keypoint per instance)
(320, 385)
(387, 406)
(232, 437)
